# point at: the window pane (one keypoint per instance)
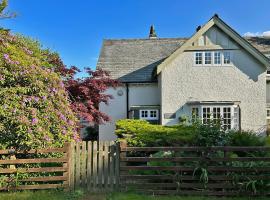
(216, 114)
(227, 118)
(195, 114)
(227, 58)
(198, 57)
(206, 115)
(153, 113)
(217, 58)
(207, 58)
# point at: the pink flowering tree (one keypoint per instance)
(35, 110)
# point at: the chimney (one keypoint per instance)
(152, 33)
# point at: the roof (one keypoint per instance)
(216, 21)
(261, 43)
(135, 60)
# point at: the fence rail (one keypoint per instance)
(217, 171)
(109, 166)
(24, 170)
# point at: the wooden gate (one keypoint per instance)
(94, 166)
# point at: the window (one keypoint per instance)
(217, 58)
(226, 58)
(149, 114)
(198, 58)
(216, 115)
(206, 115)
(268, 113)
(213, 58)
(195, 113)
(208, 58)
(227, 116)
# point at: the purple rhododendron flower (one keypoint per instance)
(47, 138)
(62, 117)
(64, 132)
(36, 99)
(34, 121)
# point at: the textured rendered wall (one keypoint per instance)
(244, 81)
(139, 94)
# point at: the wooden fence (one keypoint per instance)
(195, 170)
(34, 169)
(108, 166)
(95, 166)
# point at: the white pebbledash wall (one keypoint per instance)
(139, 94)
(244, 81)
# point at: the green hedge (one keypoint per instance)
(142, 133)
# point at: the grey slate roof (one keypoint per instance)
(135, 60)
(261, 43)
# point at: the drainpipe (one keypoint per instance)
(127, 99)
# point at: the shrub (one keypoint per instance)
(34, 107)
(211, 134)
(142, 133)
(245, 138)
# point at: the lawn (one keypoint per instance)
(79, 195)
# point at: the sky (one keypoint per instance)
(76, 28)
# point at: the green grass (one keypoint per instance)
(132, 196)
(41, 195)
(79, 195)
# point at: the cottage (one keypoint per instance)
(214, 74)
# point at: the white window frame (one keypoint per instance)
(148, 114)
(234, 112)
(220, 57)
(267, 110)
(211, 54)
(231, 55)
(213, 58)
(196, 57)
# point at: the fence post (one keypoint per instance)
(122, 145)
(66, 174)
(71, 166)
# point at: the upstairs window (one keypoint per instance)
(208, 58)
(227, 58)
(212, 58)
(217, 58)
(198, 58)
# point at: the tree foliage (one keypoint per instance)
(7, 14)
(34, 107)
(86, 93)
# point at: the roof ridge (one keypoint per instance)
(147, 39)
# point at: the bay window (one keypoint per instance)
(226, 115)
